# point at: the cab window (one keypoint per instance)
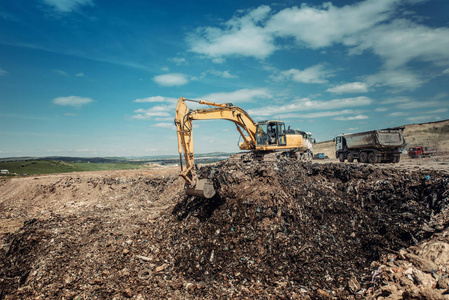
(281, 137)
(261, 134)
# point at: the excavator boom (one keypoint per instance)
(183, 122)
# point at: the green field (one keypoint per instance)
(34, 167)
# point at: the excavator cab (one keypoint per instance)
(270, 133)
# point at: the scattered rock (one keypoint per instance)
(128, 293)
(353, 286)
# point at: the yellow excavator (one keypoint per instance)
(265, 140)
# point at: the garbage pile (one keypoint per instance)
(273, 230)
(304, 230)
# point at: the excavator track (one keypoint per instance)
(248, 157)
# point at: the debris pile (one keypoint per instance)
(274, 230)
(305, 229)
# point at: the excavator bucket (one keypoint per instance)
(204, 188)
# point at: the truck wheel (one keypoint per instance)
(309, 156)
(350, 157)
(372, 158)
(363, 157)
(341, 157)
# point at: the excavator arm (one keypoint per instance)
(216, 111)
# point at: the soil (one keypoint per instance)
(274, 230)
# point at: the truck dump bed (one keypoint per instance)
(384, 138)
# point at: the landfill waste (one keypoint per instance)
(274, 230)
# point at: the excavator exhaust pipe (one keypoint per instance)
(204, 188)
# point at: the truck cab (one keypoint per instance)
(340, 143)
(420, 152)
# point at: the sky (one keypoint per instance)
(102, 77)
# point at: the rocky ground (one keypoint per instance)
(274, 230)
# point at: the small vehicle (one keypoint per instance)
(418, 152)
(320, 156)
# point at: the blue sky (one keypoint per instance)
(101, 78)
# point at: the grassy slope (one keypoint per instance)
(49, 167)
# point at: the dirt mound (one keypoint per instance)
(274, 230)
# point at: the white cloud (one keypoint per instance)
(243, 95)
(314, 74)
(2, 72)
(79, 75)
(163, 119)
(155, 111)
(422, 119)
(321, 114)
(352, 118)
(222, 74)
(398, 44)
(407, 103)
(156, 99)
(60, 72)
(242, 35)
(306, 104)
(441, 95)
(179, 61)
(74, 101)
(172, 79)
(437, 111)
(165, 125)
(400, 79)
(402, 41)
(322, 26)
(396, 100)
(67, 5)
(353, 87)
(377, 26)
(254, 33)
(364, 25)
(398, 114)
(418, 105)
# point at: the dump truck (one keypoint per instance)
(376, 146)
(264, 141)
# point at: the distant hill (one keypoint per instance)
(33, 167)
(66, 159)
(59, 164)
